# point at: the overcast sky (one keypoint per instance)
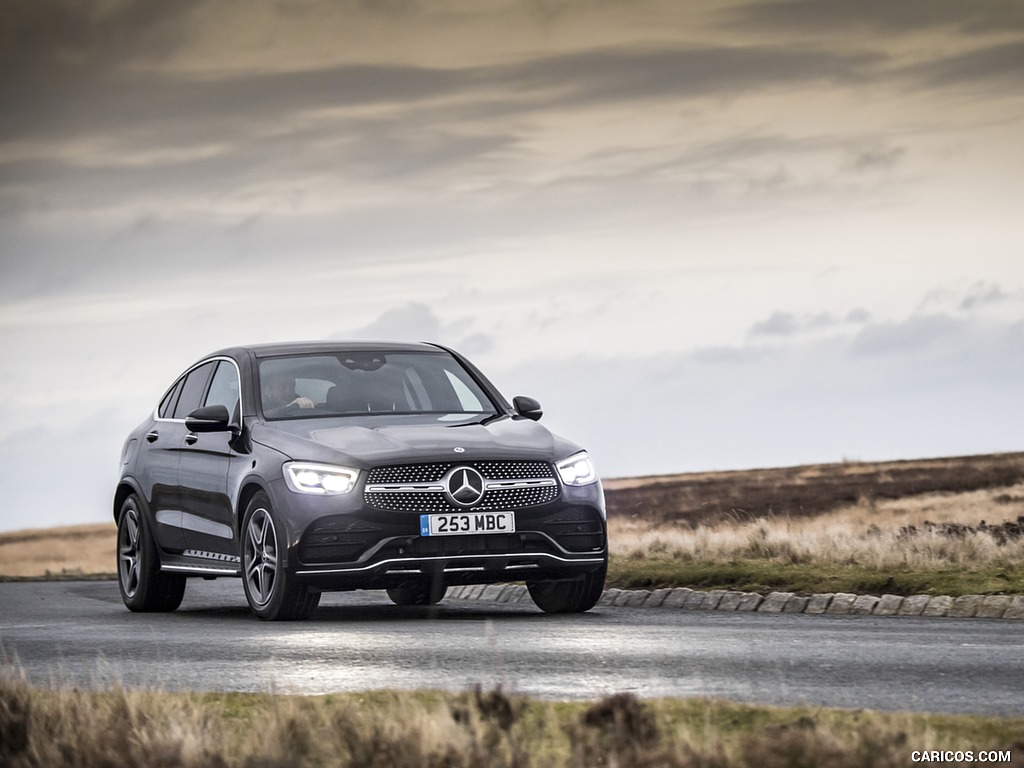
(703, 234)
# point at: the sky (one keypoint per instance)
(704, 234)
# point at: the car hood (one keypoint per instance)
(386, 440)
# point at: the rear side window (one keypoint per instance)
(192, 390)
(166, 410)
(224, 388)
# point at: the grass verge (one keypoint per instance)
(764, 576)
(42, 727)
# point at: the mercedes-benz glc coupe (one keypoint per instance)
(321, 466)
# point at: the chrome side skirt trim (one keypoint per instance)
(411, 561)
(204, 570)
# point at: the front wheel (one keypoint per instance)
(575, 596)
(272, 592)
(144, 587)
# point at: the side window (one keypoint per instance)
(470, 403)
(167, 404)
(224, 388)
(192, 390)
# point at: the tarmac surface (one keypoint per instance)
(79, 634)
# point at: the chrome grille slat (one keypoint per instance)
(404, 488)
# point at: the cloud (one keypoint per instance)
(75, 40)
(779, 324)
(412, 322)
(230, 105)
(881, 16)
(418, 322)
(973, 61)
(879, 158)
(926, 386)
(624, 74)
(949, 325)
(100, 69)
(237, 107)
(981, 295)
(975, 299)
(787, 324)
(916, 334)
(997, 65)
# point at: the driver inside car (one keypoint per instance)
(279, 395)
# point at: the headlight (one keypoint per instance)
(321, 479)
(577, 470)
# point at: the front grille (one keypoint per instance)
(432, 473)
(417, 488)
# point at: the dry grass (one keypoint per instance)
(879, 534)
(724, 498)
(440, 730)
(73, 551)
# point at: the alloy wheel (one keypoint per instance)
(260, 557)
(129, 553)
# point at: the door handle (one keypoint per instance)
(191, 439)
(152, 435)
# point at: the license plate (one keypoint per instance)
(467, 522)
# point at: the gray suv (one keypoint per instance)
(320, 466)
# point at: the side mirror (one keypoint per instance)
(528, 408)
(212, 418)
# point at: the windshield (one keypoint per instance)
(362, 383)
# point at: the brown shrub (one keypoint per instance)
(712, 498)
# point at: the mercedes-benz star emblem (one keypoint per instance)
(464, 486)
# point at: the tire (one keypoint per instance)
(273, 593)
(144, 587)
(576, 596)
(418, 593)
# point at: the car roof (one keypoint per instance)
(312, 347)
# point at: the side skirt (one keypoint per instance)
(192, 562)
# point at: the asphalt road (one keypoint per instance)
(79, 634)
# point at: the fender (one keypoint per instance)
(126, 487)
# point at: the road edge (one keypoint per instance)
(831, 603)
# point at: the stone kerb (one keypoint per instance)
(840, 604)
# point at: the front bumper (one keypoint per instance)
(366, 548)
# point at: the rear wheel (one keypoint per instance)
(272, 592)
(569, 596)
(144, 588)
(418, 593)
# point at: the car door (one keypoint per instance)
(203, 475)
(160, 459)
